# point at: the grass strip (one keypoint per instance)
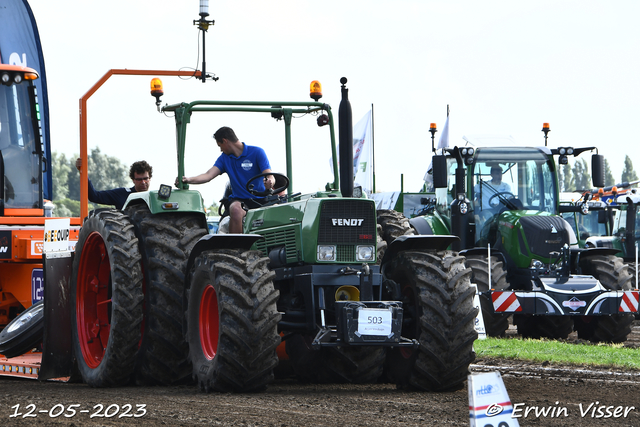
(556, 352)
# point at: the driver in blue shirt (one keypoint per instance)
(240, 162)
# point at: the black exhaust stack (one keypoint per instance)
(345, 139)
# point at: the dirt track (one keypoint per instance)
(288, 403)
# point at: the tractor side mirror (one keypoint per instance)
(439, 171)
(597, 170)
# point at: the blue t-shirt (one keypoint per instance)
(251, 162)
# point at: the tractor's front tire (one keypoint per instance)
(613, 274)
(232, 321)
(166, 241)
(107, 297)
(495, 324)
(438, 312)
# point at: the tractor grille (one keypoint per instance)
(347, 222)
(281, 237)
(346, 253)
(539, 231)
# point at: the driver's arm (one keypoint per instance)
(203, 177)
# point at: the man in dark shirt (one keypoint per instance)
(140, 174)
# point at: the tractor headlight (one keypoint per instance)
(364, 253)
(326, 253)
(584, 209)
(537, 264)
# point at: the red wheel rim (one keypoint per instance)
(93, 302)
(209, 322)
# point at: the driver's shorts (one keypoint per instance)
(249, 203)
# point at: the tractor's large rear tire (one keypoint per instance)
(348, 364)
(166, 241)
(495, 324)
(23, 333)
(107, 296)
(232, 321)
(613, 274)
(394, 224)
(438, 311)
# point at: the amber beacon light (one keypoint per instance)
(315, 90)
(156, 90)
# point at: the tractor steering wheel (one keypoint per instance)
(493, 202)
(281, 180)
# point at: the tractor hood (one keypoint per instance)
(526, 235)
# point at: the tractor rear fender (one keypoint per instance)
(57, 355)
(404, 243)
(176, 201)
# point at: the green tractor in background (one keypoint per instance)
(158, 299)
(523, 254)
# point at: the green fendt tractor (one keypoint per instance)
(313, 271)
(157, 299)
(523, 254)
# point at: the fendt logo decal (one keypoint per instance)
(347, 222)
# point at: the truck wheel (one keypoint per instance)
(106, 293)
(437, 301)
(348, 364)
(613, 274)
(232, 321)
(394, 224)
(552, 327)
(24, 332)
(495, 324)
(166, 241)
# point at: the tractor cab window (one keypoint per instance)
(511, 179)
(22, 174)
(620, 224)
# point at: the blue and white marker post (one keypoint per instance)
(489, 403)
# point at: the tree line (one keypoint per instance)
(105, 172)
(576, 177)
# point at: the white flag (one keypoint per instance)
(363, 154)
(442, 143)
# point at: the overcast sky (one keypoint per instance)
(503, 67)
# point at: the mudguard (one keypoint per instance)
(57, 354)
(404, 243)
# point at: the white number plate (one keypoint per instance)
(374, 321)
